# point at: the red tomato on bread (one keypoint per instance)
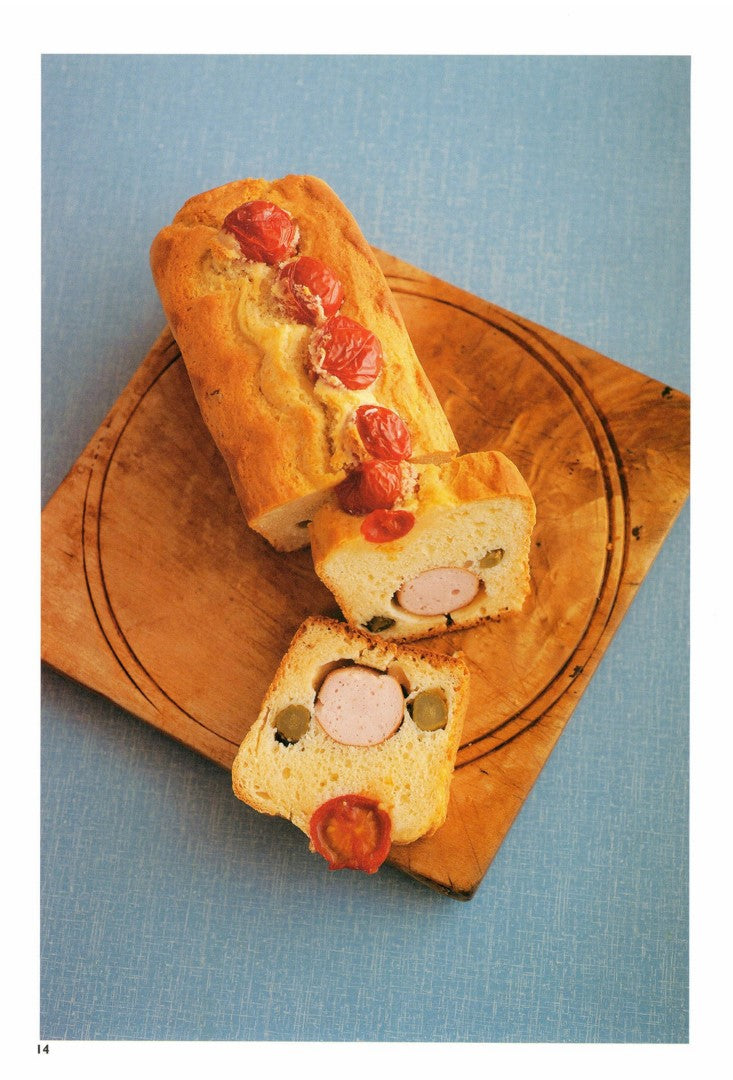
(265, 232)
(381, 526)
(383, 432)
(351, 832)
(348, 351)
(310, 291)
(373, 485)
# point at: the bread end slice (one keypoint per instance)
(408, 774)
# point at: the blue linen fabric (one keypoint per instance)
(556, 187)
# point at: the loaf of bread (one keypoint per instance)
(287, 327)
(461, 552)
(355, 742)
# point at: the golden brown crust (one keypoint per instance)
(381, 650)
(258, 402)
(484, 475)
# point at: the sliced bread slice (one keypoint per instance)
(464, 559)
(355, 734)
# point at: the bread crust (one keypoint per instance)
(485, 475)
(247, 361)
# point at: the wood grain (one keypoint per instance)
(156, 594)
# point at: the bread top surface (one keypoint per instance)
(408, 774)
(282, 435)
(484, 475)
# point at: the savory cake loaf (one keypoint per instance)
(355, 742)
(295, 348)
(451, 550)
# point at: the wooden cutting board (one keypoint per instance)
(156, 594)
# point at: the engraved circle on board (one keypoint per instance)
(216, 582)
(579, 488)
(159, 361)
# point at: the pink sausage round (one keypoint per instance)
(438, 591)
(359, 706)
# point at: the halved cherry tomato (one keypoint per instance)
(373, 485)
(381, 526)
(383, 433)
(346, 349)
(351, 832)
(311, 292)
(265, 232)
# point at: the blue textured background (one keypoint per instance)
(557, 187)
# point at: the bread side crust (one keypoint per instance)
(265, 415)
(409, 774)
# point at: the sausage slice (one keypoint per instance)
(438, 591)
(358, 706)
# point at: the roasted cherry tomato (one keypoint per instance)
(344, 348)
(351, 832)
(373, 485)
(381, 526)
(383, 433)
(310, 291)
(265, 232)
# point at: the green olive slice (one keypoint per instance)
(430, 710)
(377, 623)
(492, 558)
(292, 722)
